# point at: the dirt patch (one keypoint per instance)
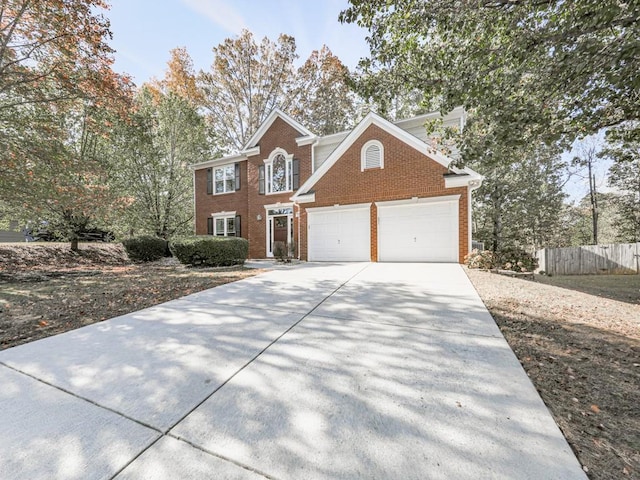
(582, 352)
(64, 292)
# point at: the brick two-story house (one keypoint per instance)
(378, 192)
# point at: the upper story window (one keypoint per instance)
(372, 155)
(280, 173)
(223, 179)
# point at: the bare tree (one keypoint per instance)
(587, 157)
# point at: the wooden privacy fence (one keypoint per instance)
(615, 258)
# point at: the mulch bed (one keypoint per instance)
(46, 289)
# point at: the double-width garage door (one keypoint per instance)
(418, 232)
(339, 234)
(422, 231)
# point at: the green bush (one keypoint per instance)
(145, 248)
(210, 251)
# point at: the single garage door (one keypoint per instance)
(339, 234)
(418, 232)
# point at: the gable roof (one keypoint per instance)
(276, 113)
(387, 126)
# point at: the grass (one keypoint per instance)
(624, 288)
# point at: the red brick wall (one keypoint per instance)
(406, 174)
(246, 201)
(225, 202)
(279, 135)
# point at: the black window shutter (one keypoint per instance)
(261, 179)
(237, 176)
(209, 226)
(238, 226)
(296, 174)
(209, 181)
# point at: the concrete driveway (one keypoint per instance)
(311, 371)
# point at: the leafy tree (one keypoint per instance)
(623, 149)
(520, 204)
(579, 224)
(64, 180)
(52, 50)
(248, 80)
(245, 83)
(180, 78)
(324, 101)
(57, 94)
(537, 70)
(151, 163)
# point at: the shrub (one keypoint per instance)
(284, 252)
(280, 251)
(210, 251)
(485, 259)
(145, 248)
(517, 260)
(509, 258)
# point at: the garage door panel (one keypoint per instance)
(419, 232)
(339, 235)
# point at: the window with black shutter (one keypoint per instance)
(237, 176)
(209, 226)
(261, 179)
(296, 174)
(209, 181)
(238, 226)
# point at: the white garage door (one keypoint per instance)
(339, 234)
(418, 232)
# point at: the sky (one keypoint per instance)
(144, 31)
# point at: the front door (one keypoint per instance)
(280, 228)
(280, 225)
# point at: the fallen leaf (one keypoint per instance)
(595, 409)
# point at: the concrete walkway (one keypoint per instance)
(313, 371)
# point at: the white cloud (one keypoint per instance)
(218, 12)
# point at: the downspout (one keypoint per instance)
(299, 218)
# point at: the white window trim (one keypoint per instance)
(363, 154)
(268, 174)
(225, 216)
(279, 205)
(224, 180)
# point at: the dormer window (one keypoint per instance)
(372, 155)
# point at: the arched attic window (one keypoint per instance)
(372, 155)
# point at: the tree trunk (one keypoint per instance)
(74, 244)
(594, 203)
(496, 234)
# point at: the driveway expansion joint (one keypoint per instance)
(222, 457)
(88, 400)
